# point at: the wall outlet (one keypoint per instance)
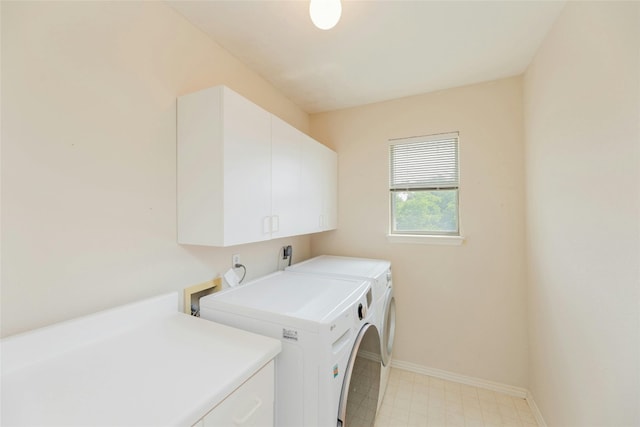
(235, 259)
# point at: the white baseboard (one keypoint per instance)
(463, 379)
(535, 411)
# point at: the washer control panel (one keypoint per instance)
(364, 305)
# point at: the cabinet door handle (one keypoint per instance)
(275, 223)
(239, 421)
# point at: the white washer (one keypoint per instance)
(321, 322)
(379, 273)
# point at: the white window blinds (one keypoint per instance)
(427, 163)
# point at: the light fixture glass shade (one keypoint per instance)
(325, 14)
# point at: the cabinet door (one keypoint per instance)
(320, 182)
(252, 404)
(247, 171)
(329, 212)
(312, 183)
(286, 172)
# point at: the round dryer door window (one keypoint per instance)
(388, 327)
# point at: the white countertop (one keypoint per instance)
(127, 367)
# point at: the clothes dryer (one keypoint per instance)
(321, 322)
(378, 272)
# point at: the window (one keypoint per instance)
(423, 185)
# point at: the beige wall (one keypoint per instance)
(582, 112)
(88, 156)
(459, 308)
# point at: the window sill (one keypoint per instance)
(426, 240)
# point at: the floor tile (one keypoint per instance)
(415, 400)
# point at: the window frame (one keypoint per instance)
(427, 236)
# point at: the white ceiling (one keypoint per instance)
(379, 50)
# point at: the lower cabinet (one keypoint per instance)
(251, 404)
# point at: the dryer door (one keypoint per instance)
(388, 326)
(359, 398)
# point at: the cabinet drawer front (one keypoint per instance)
(249, 405)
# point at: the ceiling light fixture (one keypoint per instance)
(325, 14)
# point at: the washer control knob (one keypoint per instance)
(362, 311)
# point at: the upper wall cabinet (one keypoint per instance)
(224, 169)
(244, 175)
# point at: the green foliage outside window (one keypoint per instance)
(426, 211)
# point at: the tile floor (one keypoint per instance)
(419, 400)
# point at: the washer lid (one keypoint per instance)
(290, 297)
(329, 264)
